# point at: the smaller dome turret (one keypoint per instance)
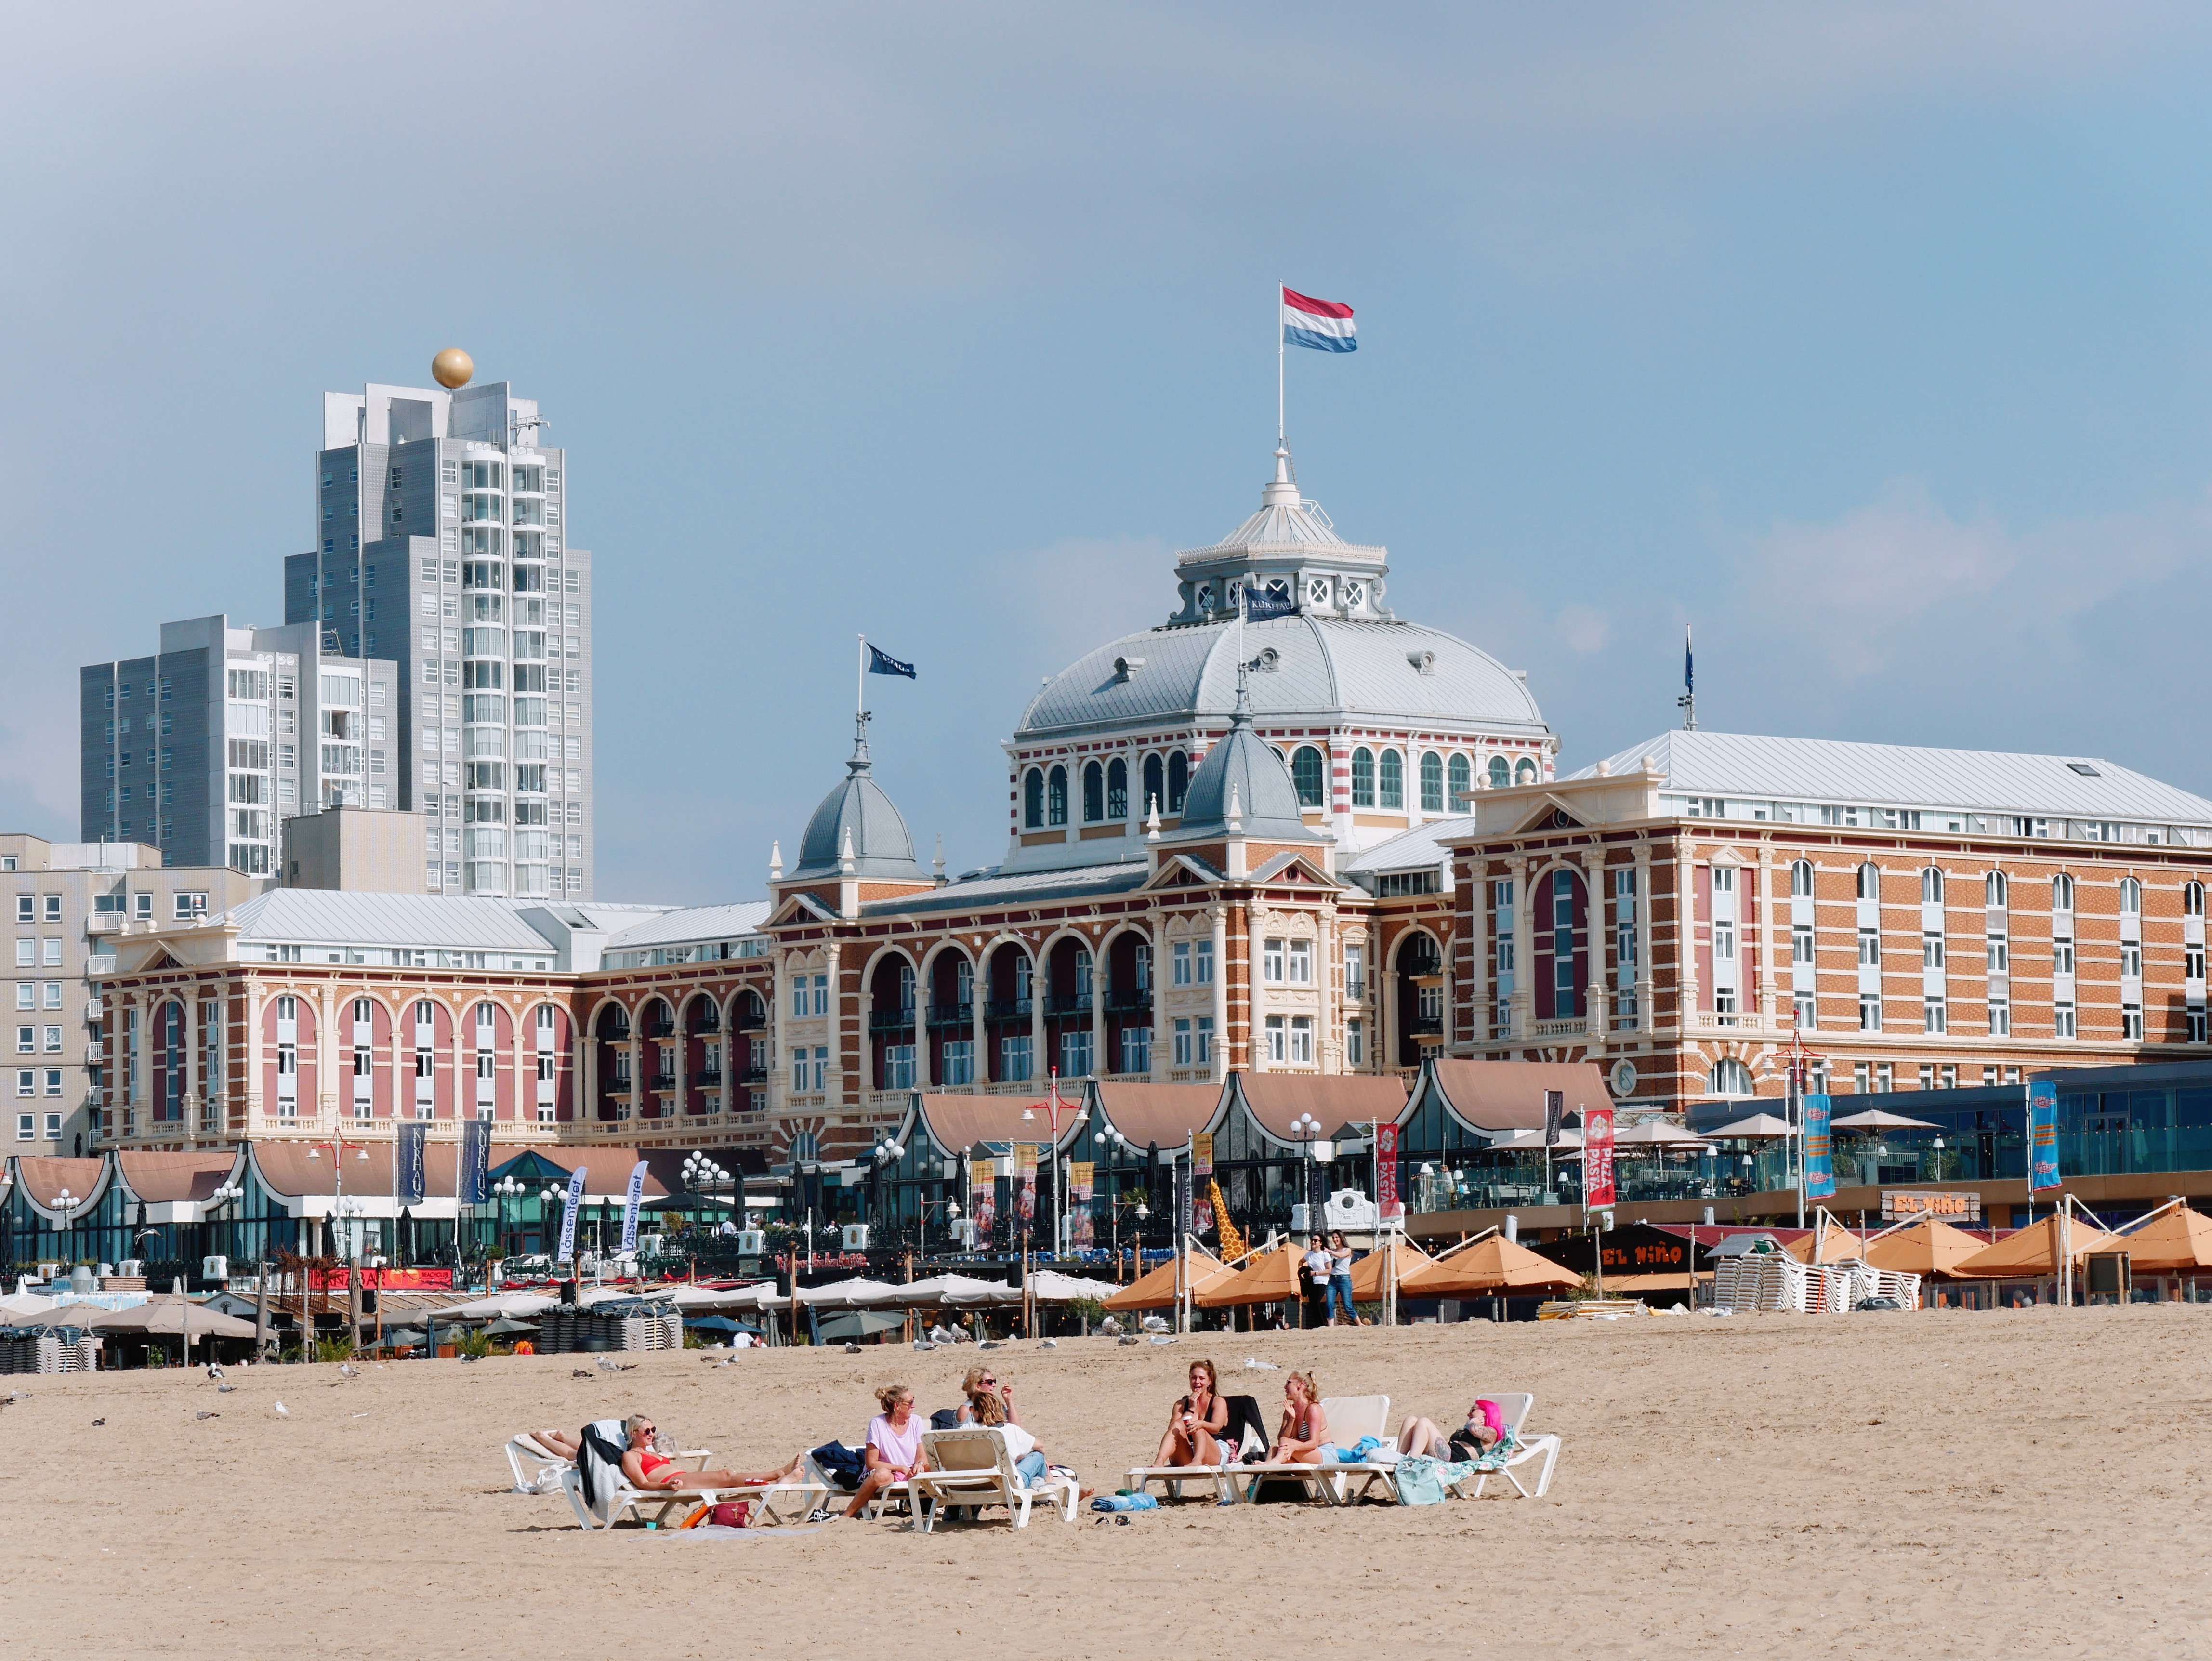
(1243, 787)
(856, 831)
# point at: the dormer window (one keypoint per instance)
(1424, 663)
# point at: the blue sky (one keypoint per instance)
(1870, 338)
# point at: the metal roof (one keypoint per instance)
(693, 923)
(310, 915)
(1423, 848)
(992, 889)
(1321, 668)
(1736, 765)
(858, 818)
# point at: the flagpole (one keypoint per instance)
(1280, 441)
(860, 679)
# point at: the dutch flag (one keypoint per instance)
(1323, 325)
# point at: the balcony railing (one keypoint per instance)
(753, 1075)
(1131, 998)
(710, 1078)
(1421, 1026)
(952, 1015)
(1007, 1009)
(662, 1029)
(1077, 1003)
(891, 1020)
(1564, 1029)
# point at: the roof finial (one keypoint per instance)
(1152, 817)
(859, 765)
(776, 861)
(1236, 811)
(845, 861)
(936, 865)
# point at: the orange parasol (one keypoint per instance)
(1157, 1290)
(1494, 1264)
(2179, 1242)
(1930, 1246)
(2032, 1251)
(1367, 1273)
(1836, 1245)
(1270, 1278)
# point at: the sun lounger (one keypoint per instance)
(974, 1466)
(1527, 1448)
(898, 1493)
(1252, 1441)
(1349, 1419)
(786, 1501)
(538, 1467)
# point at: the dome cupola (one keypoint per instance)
(856, 831)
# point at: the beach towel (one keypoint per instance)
(598, 1464)
(1246, 1433)
(841, 1465)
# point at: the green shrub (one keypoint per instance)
(472, 1343)
(340, 1348)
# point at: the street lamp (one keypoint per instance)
(508, 1187)
(1939, 1158)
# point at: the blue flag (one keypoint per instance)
(1819, 1166)
(2042, 1136)
(882, 663)
(1260, 606)
(407, 1163)
(471, 1175)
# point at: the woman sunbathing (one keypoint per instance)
(1485, 1428)
(893, 1452)
(648, 1468)
(1196, 1426)
(1304, 1435)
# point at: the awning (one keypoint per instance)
(1492, 1264)
(1155, 1288)
(2032, 1252)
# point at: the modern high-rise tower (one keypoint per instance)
(440, 542)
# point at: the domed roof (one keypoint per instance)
(1244, 778)
(1313, 666)
(859, 809)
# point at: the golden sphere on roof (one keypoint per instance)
(452, 368)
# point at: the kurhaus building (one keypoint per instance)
(1328, 842)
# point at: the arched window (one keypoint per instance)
(1178, 780)
(1801, 879)
(1996, 891)
(1931, 885)
(1524, 771)
(1094, 793)
(1033, 799)
(1432, 782)
(2192, 899)
(1156, 792)
(1392, 787)
(2130, 896)
(1869, 882)
(1501, 773)
(1117, 788)
(1055, 797)
(1462, 783)
(2062, 892)
(1308, 773)
(1728, 1077)
(1363, 778)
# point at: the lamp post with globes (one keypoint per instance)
(508, 1188)
(703, 1174)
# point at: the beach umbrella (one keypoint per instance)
(1492, 1264)
(710, 1323)
(2178, 1242)
(2032, 1252)
(1929, 1247)
(25, 1303)
(402, 1337)
(1876, 1119)
(1657, 1133)
(507, 1327)
(1155, 1288)
(1759, 1126)
(850, 1323)
(849, 1294)
(165, 1318)
(1836, 1245)
(1367, 1273)
(1272, 1277)
(692, 1297)
(957, 1290)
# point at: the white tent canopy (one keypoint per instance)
(25, 1303)
(1050, 1287)
(957, 1289)
(1757, 1126)
(1874, 1119)
(516, 1305)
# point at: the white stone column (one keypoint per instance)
(254, 1001)
(188, 1099)
(1474, 882)
(1686, 936)
(142, 1069)
(1524, 950)
(980, 989)
(1448, 925)
(1218, 913)
(587, 1092)
(1041, 1062)
(326, 1095)
(1328, 1055)
(1597, 910)
(1101, 1063)
(1647, 1019)
(1163, 1050)
(1767, 935)
(1255, 970)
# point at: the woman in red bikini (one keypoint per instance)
(649, 1469)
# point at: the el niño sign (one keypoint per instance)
(1900, 1204)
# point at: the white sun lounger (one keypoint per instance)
(1349, 1418)
(1515, 1407)
(974, 1466)
(785, 1501)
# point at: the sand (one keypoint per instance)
(2028, 1483)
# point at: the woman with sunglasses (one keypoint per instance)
(647, 1467)
(1196, 1425)
(980, 1382)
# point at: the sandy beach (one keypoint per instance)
(1934, 1484)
